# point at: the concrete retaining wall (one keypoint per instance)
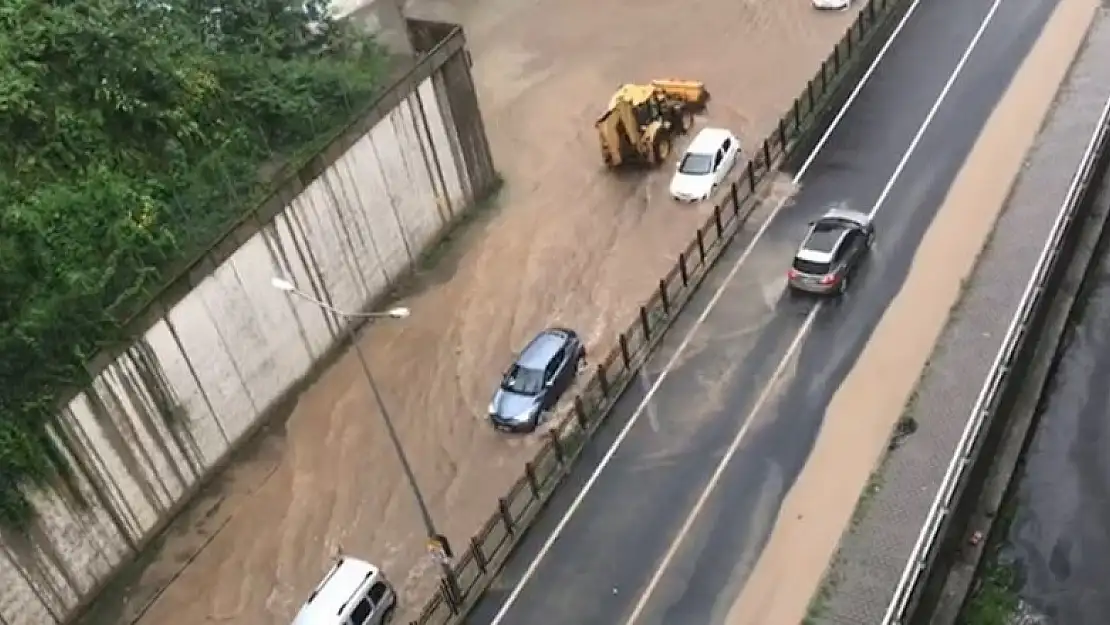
(221, 347)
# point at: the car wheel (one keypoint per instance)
(687, 119)
(390, 612)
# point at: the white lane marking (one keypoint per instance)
(936, 106)
(714, 479)
(530, 572)
(645, 384)
(764, 395)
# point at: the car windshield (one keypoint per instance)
(523, 381)
(696, 164)
(835, 223)
(810, 267)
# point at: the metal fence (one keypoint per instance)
(490, 547)
(1006, 362)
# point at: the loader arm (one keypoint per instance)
(618, 132)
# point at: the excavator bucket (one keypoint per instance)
(692, 92)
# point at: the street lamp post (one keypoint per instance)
(394, 313)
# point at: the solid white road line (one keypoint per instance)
(718, 473)
(607, 458)
(645, 385)
(936, 106)
(714, 479)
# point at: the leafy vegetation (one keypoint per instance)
(995, 602)
(134, 132)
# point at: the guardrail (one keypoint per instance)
(487, 551)
(985, 404)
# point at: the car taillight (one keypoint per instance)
(793, 273)
(829, 278)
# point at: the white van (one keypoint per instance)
(353, 592)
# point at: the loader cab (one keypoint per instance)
(647, 112)
(353, 592)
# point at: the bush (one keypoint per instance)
(134, 134)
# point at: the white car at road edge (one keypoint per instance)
(704, 165)
(832, 5)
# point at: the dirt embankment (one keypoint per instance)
(862, 414)
(567, 243)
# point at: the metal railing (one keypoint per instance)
(986, 402)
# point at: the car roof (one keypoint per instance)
(329, 600)
(846, 214)
(708, 140)
(541, 349)
(820, 245)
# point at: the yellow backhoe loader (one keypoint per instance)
(642, 120)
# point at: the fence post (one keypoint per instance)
(782, 138)
(767, 152)
(717, 219)
(451, 591)
(701, 246)
(751, 181)
(644, 322)
(580, 411)
(622, 340)
(602, 380)
(530, 473)
(797, 114)
(848, 43)
(506, 514)
(836, 57)
(682, 269)
(859, 35)
(663, 297)
(824, 78)
(556, 444)
(732, 191)
(809, 92)
(479, 557)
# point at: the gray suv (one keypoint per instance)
(834, 247)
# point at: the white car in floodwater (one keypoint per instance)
(705, 165)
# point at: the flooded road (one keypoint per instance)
(1060, 535)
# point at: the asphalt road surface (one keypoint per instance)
(661, 530)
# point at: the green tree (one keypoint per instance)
(134, 132)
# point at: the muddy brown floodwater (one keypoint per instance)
(566, 243)
(862, 414)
